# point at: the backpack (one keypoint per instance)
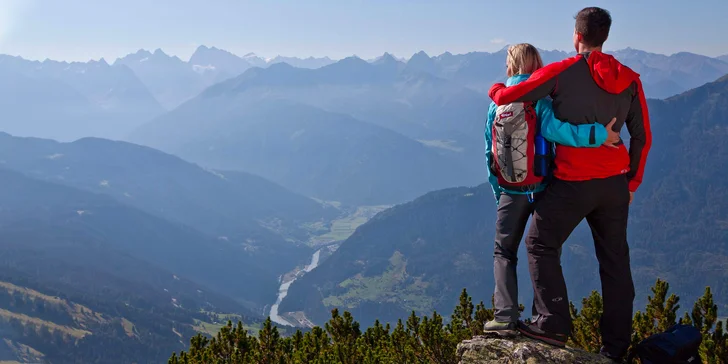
(678, 345)
(518, 162)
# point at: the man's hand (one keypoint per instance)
(631, 197)
(612, 136)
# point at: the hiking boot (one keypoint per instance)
(534, 332)
(507, 329)
(613, 358)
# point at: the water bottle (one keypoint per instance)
(541, 156)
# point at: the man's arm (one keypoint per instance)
(539, 85)
(489, 152)
(564, 133)
(640, 136)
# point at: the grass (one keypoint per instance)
(207, 327)
(128, 327)
(38, 323)
(80, 313)
(22, 352)
(32, 293)
(341, 229)
(392, 286)
(212, 328)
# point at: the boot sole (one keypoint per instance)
(503, 333)
(544, 339)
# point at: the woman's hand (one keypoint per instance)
(612, 136)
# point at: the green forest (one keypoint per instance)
(434, 339)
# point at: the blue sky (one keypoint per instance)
(90, 29)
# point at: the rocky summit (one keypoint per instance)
(497, 350)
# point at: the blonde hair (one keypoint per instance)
(522, 59)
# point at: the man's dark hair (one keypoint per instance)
(593, 24)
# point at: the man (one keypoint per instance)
(592, 183)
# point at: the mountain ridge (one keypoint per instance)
(317, 153)
(69, 100)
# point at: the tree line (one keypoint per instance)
(430, 339)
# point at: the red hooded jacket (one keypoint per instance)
(591, 88)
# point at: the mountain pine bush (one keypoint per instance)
(429, 339)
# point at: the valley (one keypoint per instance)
(326, 245)
(283, 291)
(341, 229)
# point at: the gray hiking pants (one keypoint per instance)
(513, 213)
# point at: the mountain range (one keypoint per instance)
(662, 76)
(355, 132)
(418, 255)
(173, 81)
(437, 101)
(256, 222)
(69, 100)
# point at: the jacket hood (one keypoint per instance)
(609, 74)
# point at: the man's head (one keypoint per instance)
(592, 29)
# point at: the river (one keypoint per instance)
(283, 290)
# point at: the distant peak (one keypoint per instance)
(143, 52)
(355, 59)
(386, 57)
(159, 52)
(420, 56)
(351, 61)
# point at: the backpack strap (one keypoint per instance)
(533, 105)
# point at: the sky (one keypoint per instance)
(79, 30)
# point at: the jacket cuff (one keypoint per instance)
(633, 185)
(494, 89)
(600, 135)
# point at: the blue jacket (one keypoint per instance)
(553, 129)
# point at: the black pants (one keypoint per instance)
(605, 205)
(513, 213)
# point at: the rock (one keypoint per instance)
(498, 350)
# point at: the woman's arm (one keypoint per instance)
(489, 152)
(564, 133)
